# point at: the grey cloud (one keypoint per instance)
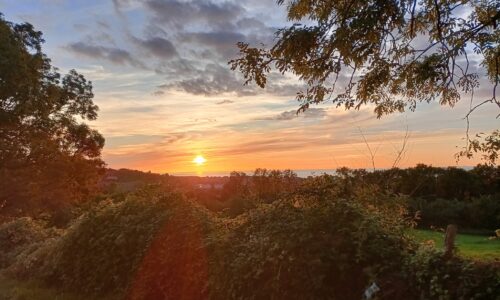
(292, 114)
(253, 23)
(179, 13)
(103, 25)
(224, 42)
(225, 101)
(180, 68)
(80, 27)
(114, 55)
(157, 46)
(120, 4)
(286, 115)
(283, 89)
(213, 80)
(158, 93)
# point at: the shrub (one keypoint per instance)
(312, 245)
(179, 258)
(20, 235)
(431, 276)
(295, 249)
(484, 212)
(100, 252)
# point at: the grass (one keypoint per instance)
(473, 246)
(11, 289)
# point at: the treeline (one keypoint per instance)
(439, 196)
(434, 196)
(430, 182)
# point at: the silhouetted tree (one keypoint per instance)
(48, 157)
(389, 54)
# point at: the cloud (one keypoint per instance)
(158, 93)
(180, 13)
(225, 101)
(179, 67)
(254, 23)
(112, 54)
(292, 114)
(213, 80)
(133, 139)
(216, 79)
(119, 5)
(224, 42)
(189, 42)
(157, 46)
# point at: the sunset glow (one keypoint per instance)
(199, 160)
(179, 88)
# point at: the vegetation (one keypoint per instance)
(436, 196)
(48, 158)
(389, 54)
(270, 235)
(476, 246)
(317, 242)
(14, 289)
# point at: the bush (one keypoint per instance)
(178, 261)
(20, 235)
(100, 252)
(431, 276)
(314, 250)
(312, 245)
(484, 212)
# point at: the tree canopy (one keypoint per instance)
(46, 151)
(390, 54)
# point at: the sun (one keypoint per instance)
(199, 160)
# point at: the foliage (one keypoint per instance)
(18, 290)
(388, 54)
(101, 250)
(329, 239)
(307, 249)
(421, 181)
(243, 192)
(480, 213)
(432, 276)
(19, 235)
(48, 157)
(490, 146)
(179, 258)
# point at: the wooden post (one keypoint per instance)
(449, 240)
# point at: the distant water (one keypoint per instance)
(300, 173)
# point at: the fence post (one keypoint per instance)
(449, 240)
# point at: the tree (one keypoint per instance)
(390, 54)
(48, 157)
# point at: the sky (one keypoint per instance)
(166, 93)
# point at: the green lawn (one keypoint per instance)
(469, 245)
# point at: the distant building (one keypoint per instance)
(111, 178)
(218, 186)
(209, 186)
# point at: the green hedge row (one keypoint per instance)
(309, 246)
